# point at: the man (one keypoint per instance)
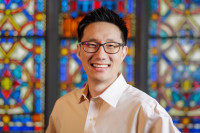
(107, 104)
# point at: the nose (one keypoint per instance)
(101, 54)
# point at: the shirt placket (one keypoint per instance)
(92, 115)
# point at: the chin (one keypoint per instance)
(100, 77)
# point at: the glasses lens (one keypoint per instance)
(90, 46)
(112, 47)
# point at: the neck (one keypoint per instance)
(98, 87)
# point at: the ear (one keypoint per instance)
(79, 51)
(124, 52)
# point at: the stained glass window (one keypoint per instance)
(175, 18)
(72, 75)
(174, 60)
(22, 54)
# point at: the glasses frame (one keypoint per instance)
(101, 44)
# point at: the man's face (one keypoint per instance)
(101, 66)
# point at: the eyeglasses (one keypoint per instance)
(109, 47)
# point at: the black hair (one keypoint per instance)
(103, 15)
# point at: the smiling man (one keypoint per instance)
(101, 63)
(107, 104)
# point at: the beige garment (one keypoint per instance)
(120, 109)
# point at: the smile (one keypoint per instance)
(100, 66)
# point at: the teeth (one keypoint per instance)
(95, 65)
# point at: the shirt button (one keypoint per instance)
(92, 118)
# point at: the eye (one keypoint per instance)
(112, 45)
(91, 44)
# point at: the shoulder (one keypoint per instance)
(144, 102)
(138, 95)
(152, 117)
(71, 96)
(64, 102)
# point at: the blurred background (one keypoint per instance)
(38, 61)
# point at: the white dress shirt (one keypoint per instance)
(121, 108)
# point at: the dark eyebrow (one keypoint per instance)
(92, 40)
(95, 40)
(110, 40)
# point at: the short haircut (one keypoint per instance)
(103, 15)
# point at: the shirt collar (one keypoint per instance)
(84, 94)
(112, 94)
